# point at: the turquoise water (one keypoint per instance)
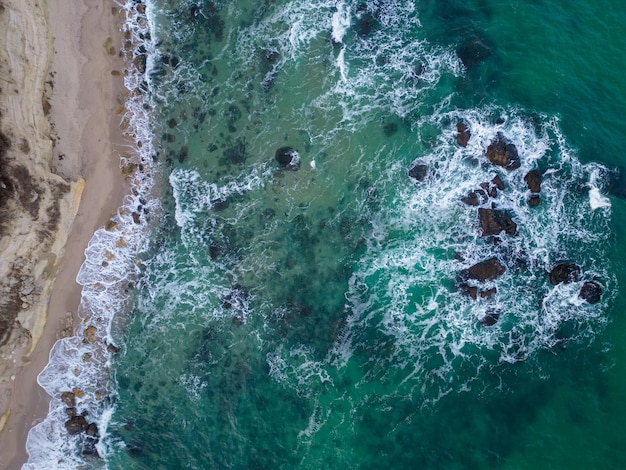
(315, 318)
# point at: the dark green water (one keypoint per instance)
(312, 318)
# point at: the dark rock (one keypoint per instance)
(172, 123)
(418, 171)
(140, 62)
(616, 182)
(564, 273)
(486, 270)
(475, 198)
(488, 293)
(490, 319)
(463, 134)
(473, 51)
(89, 446)
(183, 153)
(214, 250)
(498, 182)
(288, 158)
(134, 450)
(490, 189)
(390, 129)
(92, 430)
(112, 349)
(68, 398)
(76, 425)
(503, 153)
(469, 290)
(365, 23)
(136, 218)
(71, 411)
(494, 221)
(533, 180)
(591, 291)
(534, 200)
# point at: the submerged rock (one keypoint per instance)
(503, 153)
(418, 171)
(534, 200)
(463, 134)
(89, 446)
(490, 319)
(591, 291)
(473, 51)
(288, 158)
(564, 273)
(494, 221)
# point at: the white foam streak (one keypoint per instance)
(340, 22)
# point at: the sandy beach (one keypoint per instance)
(84, 85)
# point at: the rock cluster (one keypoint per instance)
(474, 281)
(77, 424)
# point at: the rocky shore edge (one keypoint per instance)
(37, 206)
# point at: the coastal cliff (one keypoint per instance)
(37, 206)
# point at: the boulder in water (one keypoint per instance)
(418, 171)
(534, 200)
(486, 270)
(69, 398)
(92, 430)
(533, 180)
(564, 273)
(76, 425)
(591, 291)
(494, 221)
(497, 181)
(476, 197)
(463, 134)
(503, 153)
(488, 293)
(288, 158)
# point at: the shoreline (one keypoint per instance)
(85, 58)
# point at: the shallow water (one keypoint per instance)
(314, 318)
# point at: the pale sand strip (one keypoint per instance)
(82, 63)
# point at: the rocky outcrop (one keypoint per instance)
(486, 270)
(462, 134)
(533, 181)
(564, 273)
(494, 222)
(591, 291)
(76, 425)
(503, 153)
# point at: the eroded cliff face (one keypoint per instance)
(37, 207)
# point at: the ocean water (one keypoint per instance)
(313, 315)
